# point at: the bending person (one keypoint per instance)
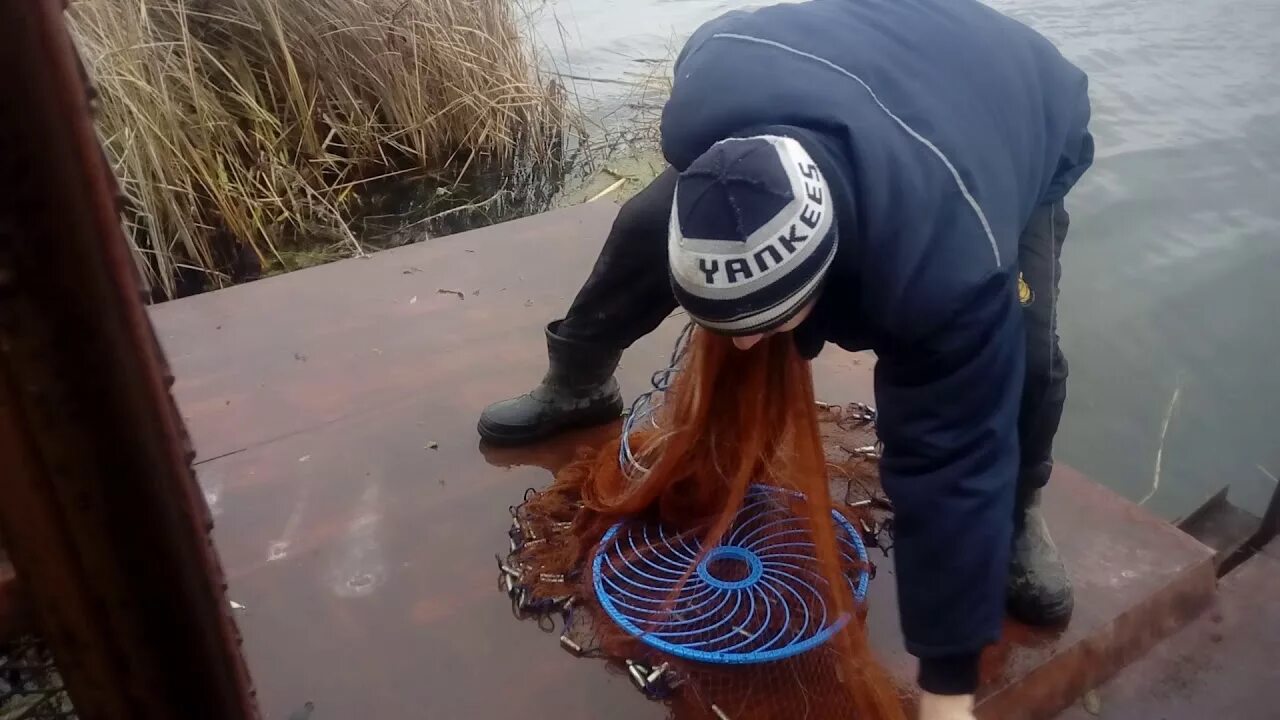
(877, 175)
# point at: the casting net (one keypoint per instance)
(718, 550)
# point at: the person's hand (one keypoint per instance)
(946, 707)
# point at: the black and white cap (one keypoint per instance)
(752, 234)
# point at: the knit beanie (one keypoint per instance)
(752, 234)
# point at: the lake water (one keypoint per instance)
(1170, 310)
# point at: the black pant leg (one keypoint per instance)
(1045, 390)
(628, 293)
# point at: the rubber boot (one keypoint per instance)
(579, 390)
(1039, 591)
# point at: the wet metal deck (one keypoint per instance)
(1222, 666)
(333, 410)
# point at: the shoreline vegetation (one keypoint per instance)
(253, 137)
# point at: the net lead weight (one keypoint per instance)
(657, 674)
(570, 645)
(720, 714)
(638, 676)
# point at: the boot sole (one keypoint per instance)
(503, 436)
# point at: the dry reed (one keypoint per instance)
(249, 133)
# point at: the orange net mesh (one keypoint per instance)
(711, 564)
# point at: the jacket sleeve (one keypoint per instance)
(1077, 147)
(948, 408)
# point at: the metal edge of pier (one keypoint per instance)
(100, 513)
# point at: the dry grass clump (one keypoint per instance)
(251, 134)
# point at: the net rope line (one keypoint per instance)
(644, 407)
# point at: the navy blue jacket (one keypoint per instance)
(940, 126)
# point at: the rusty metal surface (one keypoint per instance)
(294, 352)
(1270, 521)
(1222, 666)
(1272, 549)
(1137, 580)
(1222, 526)
(358, 516)
(99, 511)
